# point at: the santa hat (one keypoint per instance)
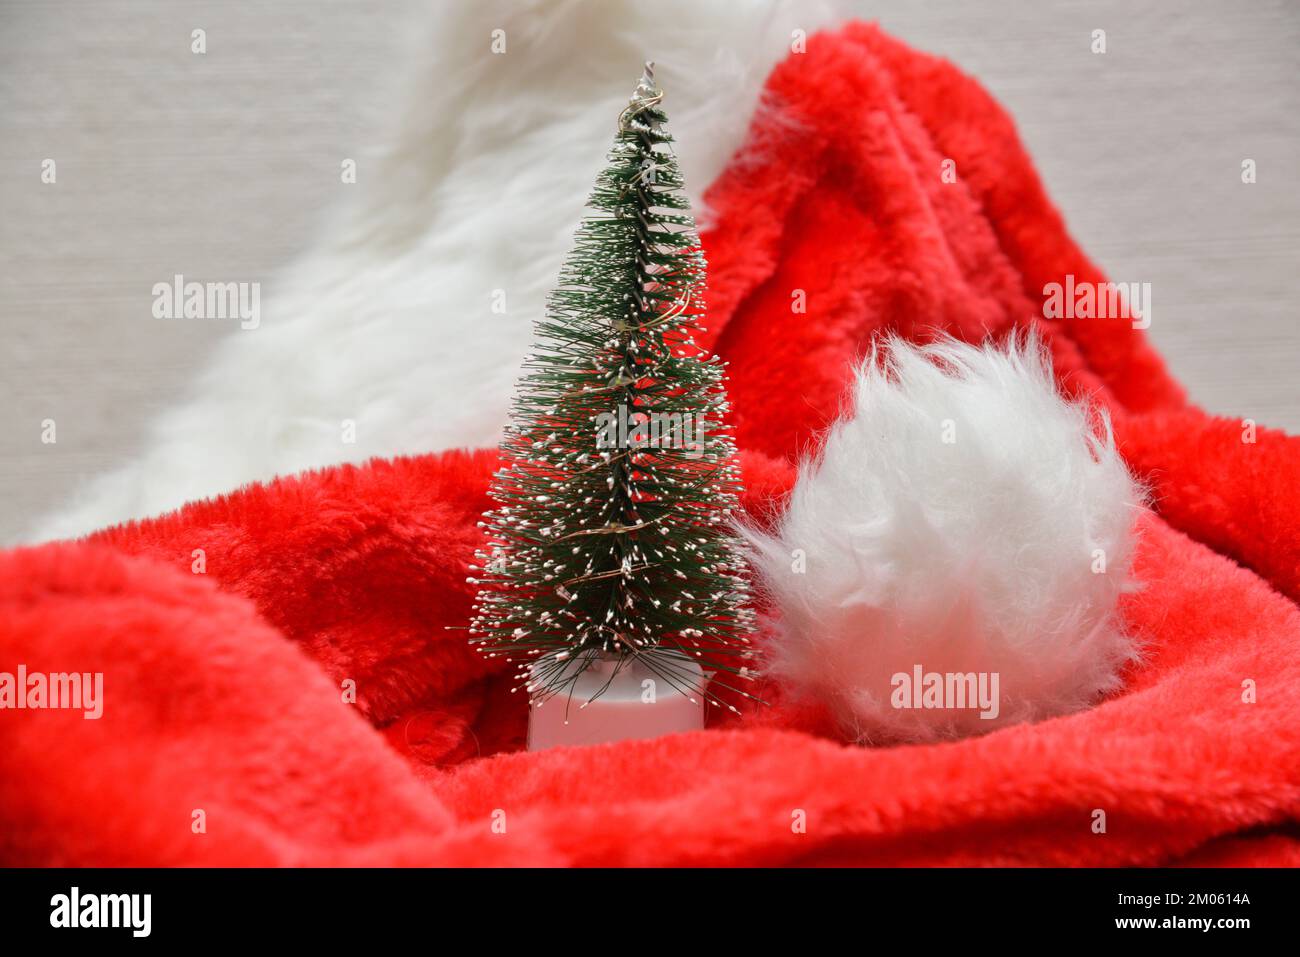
(286, 657)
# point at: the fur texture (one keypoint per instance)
(213, 686)
(222, 693)
(964, 519)
(477, 186)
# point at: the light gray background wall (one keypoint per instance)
(171, 165)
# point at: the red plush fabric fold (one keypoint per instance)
(232, 634)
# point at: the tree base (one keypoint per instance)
(610, 698)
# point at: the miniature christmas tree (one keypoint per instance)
(612, 539)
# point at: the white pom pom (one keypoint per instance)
(965, 535)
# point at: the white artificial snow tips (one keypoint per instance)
(952, 561)
(607, 359)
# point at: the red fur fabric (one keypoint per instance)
(224, 692)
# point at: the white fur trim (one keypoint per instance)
(955, 521)
(478, 186)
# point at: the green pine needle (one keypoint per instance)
(618, 486)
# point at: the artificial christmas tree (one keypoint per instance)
(612, 571)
